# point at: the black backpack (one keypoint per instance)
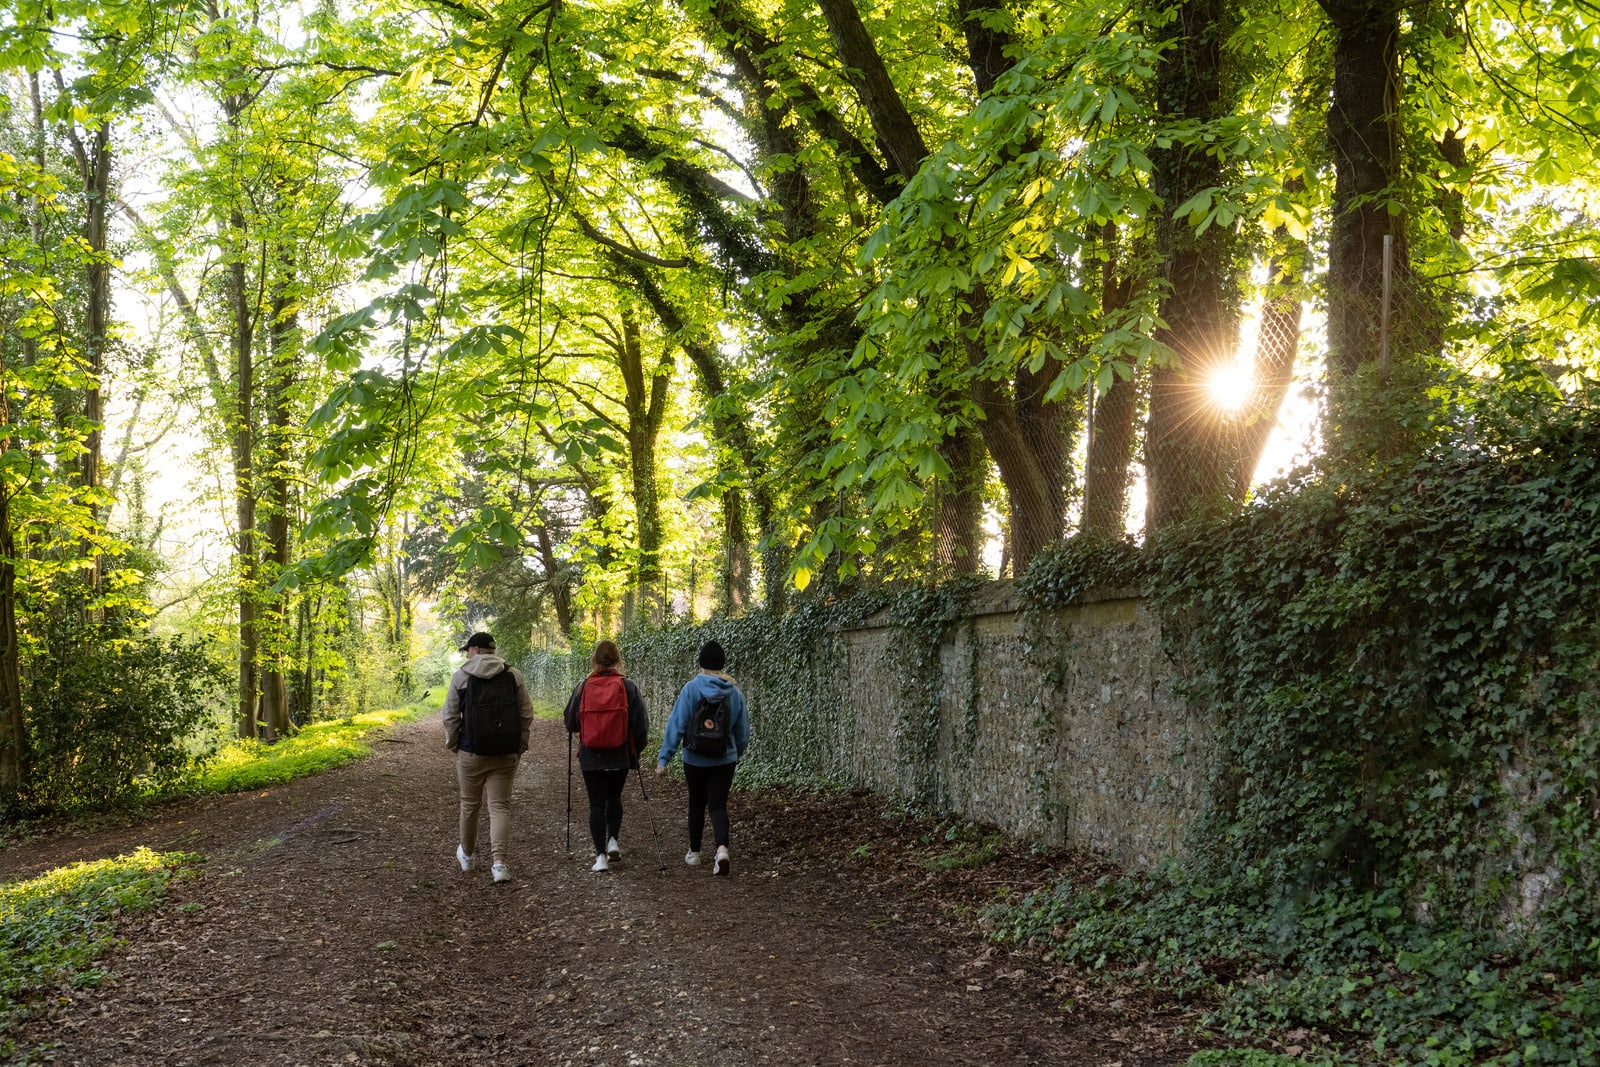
(491, 721)
(707, 731)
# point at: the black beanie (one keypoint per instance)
(711, 656)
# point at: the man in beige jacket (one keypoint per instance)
(487, 714)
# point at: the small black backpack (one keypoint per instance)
(707, 730)
(491, 721)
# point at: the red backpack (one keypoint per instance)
(603, 712)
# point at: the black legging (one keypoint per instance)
(708, 792)
(605, 804)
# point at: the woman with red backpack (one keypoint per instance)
(608, 715)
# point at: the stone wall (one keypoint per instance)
(1057, 726)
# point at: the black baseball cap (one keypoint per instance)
(479, 640)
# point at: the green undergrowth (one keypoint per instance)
(961, 846)
(1349, 972)
(1248, 1057)
(544, 709)
(249, 764)
(54, 927)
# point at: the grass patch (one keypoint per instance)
(53, 927)
(249, 764)
(969, 846)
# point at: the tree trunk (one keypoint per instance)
(988, 47)
(735, 451)
(645, 399)
(283, 340)
(94, 174)
(1052, 428)
(1113, 423)
(97, 192)
(1277, 346)
(736, 570)
(897, 133)
(1363, 132)
(772, 124)
(13, 727)
(244, 498)
(1187, 442)
(301, 696)
(1033, 494)
(957, 536)
(560, 591)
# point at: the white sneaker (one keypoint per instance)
(601, 863)
(501, 872)
(720, 864)
(691, 858)
(613, 849)
(463, 859)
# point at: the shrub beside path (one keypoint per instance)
(331, 925)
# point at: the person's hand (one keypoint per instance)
(661, 770)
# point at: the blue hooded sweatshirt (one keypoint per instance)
(711, 685)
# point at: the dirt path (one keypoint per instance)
(332, 925)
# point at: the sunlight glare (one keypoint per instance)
(1229, 384)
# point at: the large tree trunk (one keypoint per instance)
(736, 569)
(897, 132)
(1277, 346)
(958, 517)
(990, 50)
(13, 728)
(560, 591)
(1363, 132)
(1187, 442)
(1033, 490)
(94, 174)
(1113, 422)
(645, 399)
(97, 191)
(284, 338)
(244, 489)
(735, 451)
(1025, 436)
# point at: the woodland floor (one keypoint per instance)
(331, 925)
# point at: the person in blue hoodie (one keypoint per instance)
(710, 721)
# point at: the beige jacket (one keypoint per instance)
(483, 665)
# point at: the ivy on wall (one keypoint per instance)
(785, 664)
(1401, 669)
(1397, 661)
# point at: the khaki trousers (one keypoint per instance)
(486, 778)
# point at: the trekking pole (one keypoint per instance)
(661, 863)
(569, 793)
